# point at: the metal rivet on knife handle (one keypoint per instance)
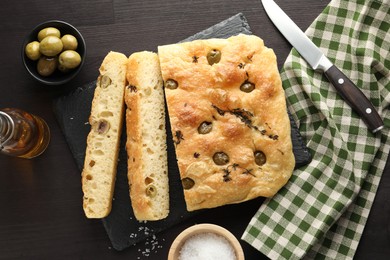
(355, 98)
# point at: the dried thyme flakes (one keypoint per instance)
(179, 136)
(241, 65)
(245, 117)
(233, 167)
(132, 88)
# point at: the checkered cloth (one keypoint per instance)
(322, 211)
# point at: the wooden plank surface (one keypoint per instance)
(40, 200)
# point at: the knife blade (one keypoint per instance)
(354, 97)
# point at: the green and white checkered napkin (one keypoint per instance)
(322, 211)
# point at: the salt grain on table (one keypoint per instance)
(151, 243)
(206, 246)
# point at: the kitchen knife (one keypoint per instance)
(318, 61)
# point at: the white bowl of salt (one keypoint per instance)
(206, 242)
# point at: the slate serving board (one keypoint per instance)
(72, 112)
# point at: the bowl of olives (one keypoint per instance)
(54, 52)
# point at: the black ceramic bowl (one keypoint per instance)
(58, 77)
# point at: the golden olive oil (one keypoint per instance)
(22, 134)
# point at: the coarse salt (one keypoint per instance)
(151, 243)
(206, 246)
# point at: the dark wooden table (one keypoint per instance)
(41, 214)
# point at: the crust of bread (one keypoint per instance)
(106, 119)
(242, 123)
(146, 137)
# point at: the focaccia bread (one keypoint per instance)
(146, 137)
(228, 118)
(106, 119)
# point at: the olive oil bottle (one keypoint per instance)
(22, 134)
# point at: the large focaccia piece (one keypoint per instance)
(106, 119)
(146, 137)
(228, 119)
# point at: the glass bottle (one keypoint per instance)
(22, 134)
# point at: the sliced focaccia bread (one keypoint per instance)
(106, 119)
(229, 119)
(146, 137)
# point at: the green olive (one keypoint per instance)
(151, 191)
(104, 81)
(102, 126)
(32, 50)
(260, 158)
(46, 65)
(63, 69)
(247, 87)
(69, 42)
(49, 31)
(50, 46)
(187, 183)
(214, 56)
(69, 59)
(171, 84)
(220, 158)
(205, 127)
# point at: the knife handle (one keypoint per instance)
(355, 98)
